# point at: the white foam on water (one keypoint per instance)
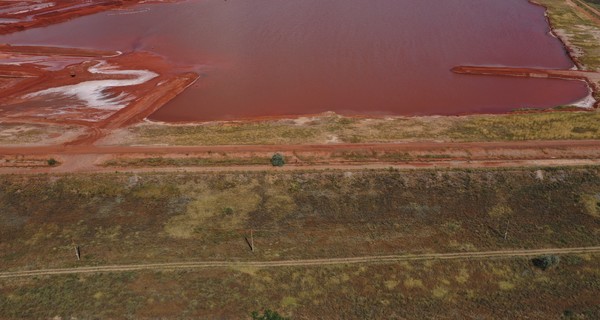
(93, 92)
(587, 102)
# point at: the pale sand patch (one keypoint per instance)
(93, 93)
(37, 135)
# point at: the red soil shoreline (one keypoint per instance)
(58, 12)
(149, 96)
(568, 49)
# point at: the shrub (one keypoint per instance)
(545, 262)
(277, 160)
(52, 162)
(268, 315)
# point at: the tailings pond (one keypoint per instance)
(293, 57)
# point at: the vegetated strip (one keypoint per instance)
(305, 262)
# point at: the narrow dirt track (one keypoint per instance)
(88, 158)
(408, 146)
(303, 263)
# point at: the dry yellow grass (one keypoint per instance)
(556, 125)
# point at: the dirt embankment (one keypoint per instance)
(55, 51)
(97, 89)
(22, 15)
(592, 78)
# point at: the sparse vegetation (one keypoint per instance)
(510, 127)
(23, 134)
(267, 315)
(330, 292)
(207, 215)
(160, 217)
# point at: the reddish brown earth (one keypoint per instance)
(20, 80)
(54, 51)
(30, 69)
(23, 15)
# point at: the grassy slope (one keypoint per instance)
(126, 218)
(511, 127)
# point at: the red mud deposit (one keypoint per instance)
(18, 15)
(288, 57)
(97, 87)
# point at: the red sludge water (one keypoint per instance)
(293, 57)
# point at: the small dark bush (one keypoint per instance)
(545, 262)
(52, 162)
(277, 160)
(268, 315)
(568, 313)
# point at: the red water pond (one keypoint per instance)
(292, 57)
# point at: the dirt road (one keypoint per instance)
(303, 263)
(400, 146)
(88, 158)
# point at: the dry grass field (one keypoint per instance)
(172, 217)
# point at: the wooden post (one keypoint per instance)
(506, 230)
(78, 252)
(251, 240)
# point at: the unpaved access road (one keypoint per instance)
(504, 254)
(89, 158)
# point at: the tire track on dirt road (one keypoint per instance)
(502, 254)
